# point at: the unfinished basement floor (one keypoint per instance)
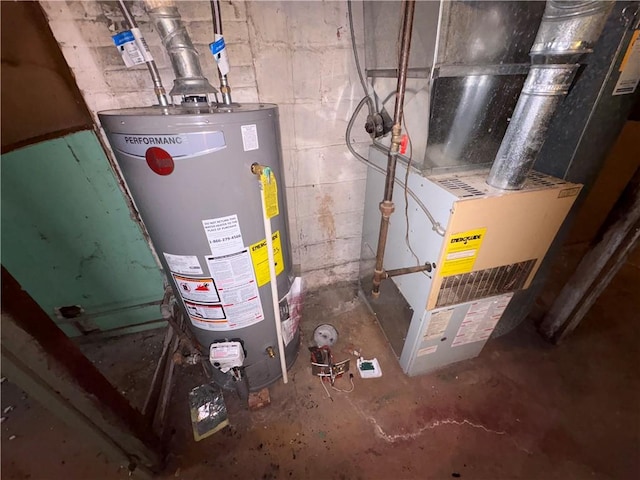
(524, 409)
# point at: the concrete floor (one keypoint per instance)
(523, 409)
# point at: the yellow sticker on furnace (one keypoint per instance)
(462, 251)
(260, 258)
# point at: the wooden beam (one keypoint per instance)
(47, 364)
(597, 268)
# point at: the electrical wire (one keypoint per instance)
(325, 389)
(435, 224)
(406, 194)
(345, 391)
(357, 59)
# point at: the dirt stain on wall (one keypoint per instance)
(327, 223)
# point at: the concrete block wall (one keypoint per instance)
(293, 53)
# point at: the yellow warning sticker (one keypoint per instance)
(270, 192)
(260, 259)
(462, 251)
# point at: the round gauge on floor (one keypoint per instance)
(325, 335)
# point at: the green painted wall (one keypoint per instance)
(68, 237)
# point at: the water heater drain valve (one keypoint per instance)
(226, 355)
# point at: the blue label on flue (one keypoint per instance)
(123, 37)
(217, 46)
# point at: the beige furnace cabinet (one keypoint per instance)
(493, 245)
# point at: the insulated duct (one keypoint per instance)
(184, 57)
(568, 30)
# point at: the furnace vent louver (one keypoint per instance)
(459, 188)
(536, 179)
(484, 283)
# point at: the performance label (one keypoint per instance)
(178, 145)
(260, 258)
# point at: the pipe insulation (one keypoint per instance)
(568, 31)
(184, 57)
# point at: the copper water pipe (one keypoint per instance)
(386, 206)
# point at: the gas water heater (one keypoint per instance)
(189, 173)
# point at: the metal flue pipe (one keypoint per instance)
(568, 30)
(158, 88)
(184, 57)
(225, 88)
(386, 206)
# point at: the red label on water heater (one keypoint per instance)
(159, 161)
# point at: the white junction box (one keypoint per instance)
(493, 245)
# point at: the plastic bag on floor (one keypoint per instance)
(208, 410)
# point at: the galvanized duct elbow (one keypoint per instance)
(184, 57)
(568, 30)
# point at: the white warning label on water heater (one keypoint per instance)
(249, 137)
(186, 264)
(197, 289)
(224, 235)
(237, 287)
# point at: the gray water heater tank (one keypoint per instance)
(189, 172)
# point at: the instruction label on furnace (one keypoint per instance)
(438, 324)
(462, 251)
(427, 351)
(480, 320)
(238, 289)
(223, 235)
(197, 289)
(260, 258)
